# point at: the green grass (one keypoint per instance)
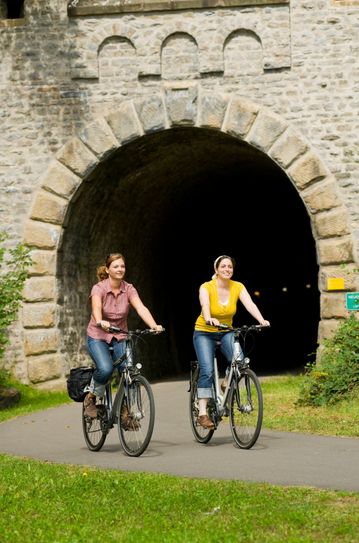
(281, 412)
(32, 400)
(44, 502)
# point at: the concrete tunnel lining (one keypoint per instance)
(171, 202)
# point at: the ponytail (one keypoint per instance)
(101, 273)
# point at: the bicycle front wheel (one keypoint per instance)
(246, 409)
(95, 430)
(136, 416)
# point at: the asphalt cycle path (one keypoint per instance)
(279, 458)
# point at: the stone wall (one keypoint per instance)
(291, 68)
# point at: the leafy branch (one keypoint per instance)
(14, 265)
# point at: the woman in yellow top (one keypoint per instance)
(218, 299)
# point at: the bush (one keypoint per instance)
(337, 375)
(14, 265)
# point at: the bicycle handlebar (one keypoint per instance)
(244, 328)
(117, 330)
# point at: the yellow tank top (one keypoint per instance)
(223, 312)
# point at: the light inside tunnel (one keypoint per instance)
(172, 202)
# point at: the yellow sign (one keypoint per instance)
(335, 283)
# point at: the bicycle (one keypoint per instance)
(242, 399)
(132, 409)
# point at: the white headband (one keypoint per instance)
(219, 258)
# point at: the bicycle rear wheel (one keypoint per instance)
(246, 409)
(136, 416)
(201, 434)
(95, 430)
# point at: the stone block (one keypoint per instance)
(99, 137)
(124, 123)
(181, 105)
(41, 235)
(151, 113)
(60, 180)
(265, 130)
(335, 251)
(332, 305)
(306, 170)
(349, 272)
(322, 196)
(55, 385)
(212, 110)
(240, 117)
(287, 148)
(43, 263)
(36, 315)
(327, 329)
(76, 156)
(41, 340)
(40, 289)
(44, 368)
(49, 208)
(332, 223)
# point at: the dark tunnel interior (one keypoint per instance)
(172, 202)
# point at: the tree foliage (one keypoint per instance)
(14, 265)
(337, 374)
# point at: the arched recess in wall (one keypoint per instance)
(173, 180)
(179, 49)
(117, 60)
(243, 54)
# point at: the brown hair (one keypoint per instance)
(101, 270)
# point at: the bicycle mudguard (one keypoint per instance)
(194, 367)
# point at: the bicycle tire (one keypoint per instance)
(95, 430)
(201, 434)
(136, 416)
(246, 409)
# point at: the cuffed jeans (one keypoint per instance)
(103, 357)
(205, 345)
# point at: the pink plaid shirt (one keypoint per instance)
(115, 309)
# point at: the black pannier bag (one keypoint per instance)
(78, 380)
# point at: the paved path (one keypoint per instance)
(278, 457)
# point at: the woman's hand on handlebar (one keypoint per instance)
(213, 322)
(158, 329)
(105, 325)
(264, 323)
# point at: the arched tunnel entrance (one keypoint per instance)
(173, 201)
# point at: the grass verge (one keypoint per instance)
(32, 400)
(45, 502)
(281, 412)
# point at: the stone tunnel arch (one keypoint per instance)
(145, 140)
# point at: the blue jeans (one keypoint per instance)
(103, 357)
(205, 345)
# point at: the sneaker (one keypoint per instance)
(206, 422)
(90, 409)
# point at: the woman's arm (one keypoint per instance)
(251, 307)
(145, 314)
(96, 305)
(206, 306)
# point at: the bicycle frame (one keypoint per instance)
(125, 380)
(220, 398)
